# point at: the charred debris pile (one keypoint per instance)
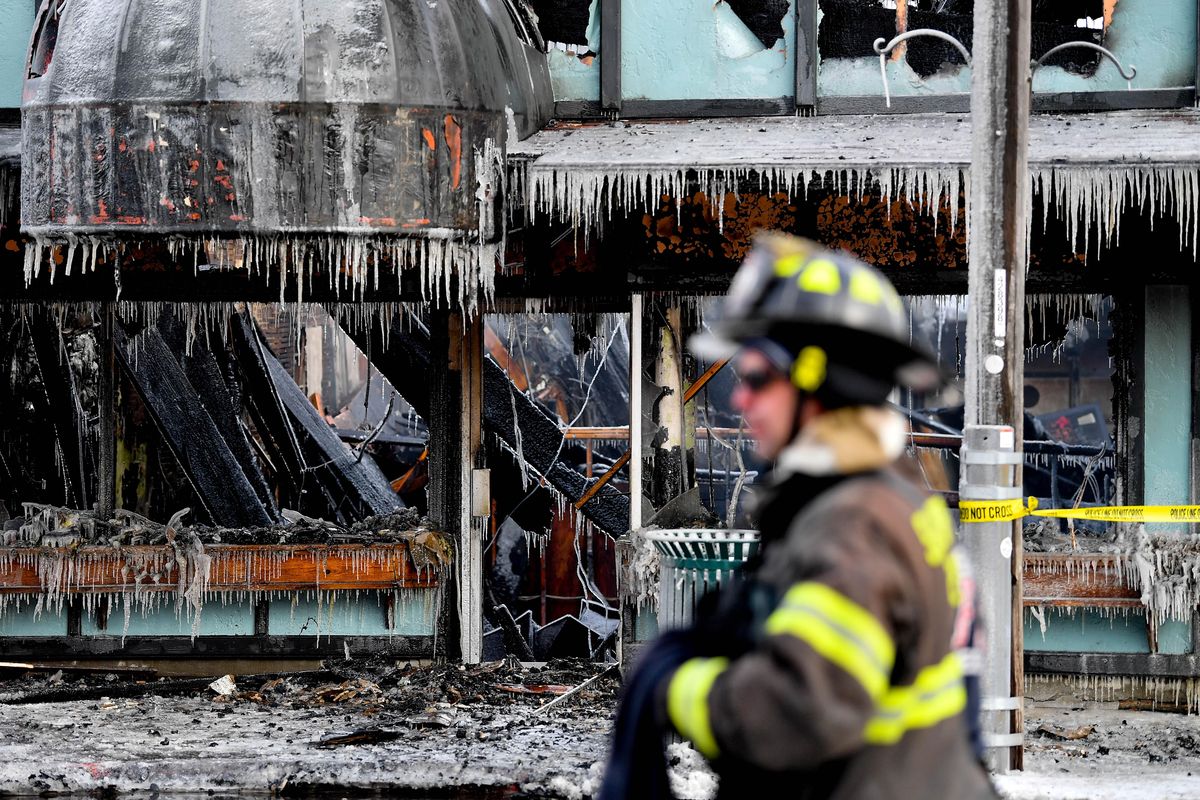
(57, 527)
(395, 695)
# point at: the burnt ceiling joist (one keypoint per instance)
(405, 355)
(307, 449)
(189, 431)
(218, 387)
(62, 405)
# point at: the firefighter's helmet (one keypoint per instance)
(835, 325)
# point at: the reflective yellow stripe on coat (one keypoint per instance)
(937, 694)
(687, 701)
(840, 630)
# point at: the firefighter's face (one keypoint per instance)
(767, 400)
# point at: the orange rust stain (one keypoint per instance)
(102, 217)
(454, 142)
(12, 246)
(415, 223)
(193, 215)
(378, 221)
(127, 219)
(430, 142)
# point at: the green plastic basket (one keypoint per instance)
(696, 561)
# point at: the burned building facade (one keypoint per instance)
(511, 213)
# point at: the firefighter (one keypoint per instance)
(830, 671)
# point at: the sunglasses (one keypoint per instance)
(758, 379)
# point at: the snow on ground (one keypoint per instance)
(1128, 754)
(408, 731)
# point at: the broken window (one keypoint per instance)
(1158, 39)
(700, 50)
(1069, 425)
(674, 50)
(571, 31)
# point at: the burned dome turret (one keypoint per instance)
(377, 121)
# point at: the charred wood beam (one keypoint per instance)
(62, 400)
(189, 431)
(200, 365)
(352, 483)
(1157, 665)
(11, 492)
(270, 419)
(507, 413)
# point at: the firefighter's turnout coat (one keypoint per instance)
(851, 686)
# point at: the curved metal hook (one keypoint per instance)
(884, 47)
(1104, 51)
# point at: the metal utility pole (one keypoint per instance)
(1000, 95)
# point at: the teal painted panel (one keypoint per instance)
(1158, 37)
(1166, 455)
(701, 50)
(14, 41)
(1087, 631)
(573, 77)
(21, 621)
(645, 624)
(854, 77)
(236, 619)
(1175, 637)
(1168, 396)
(350, 614)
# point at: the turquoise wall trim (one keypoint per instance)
(21, 622)
(645, 625)
(347, 614)
(350, 615)
(17, 16)
(1166, 450)
(1087, 631)
(1175, 637)
(215, 620)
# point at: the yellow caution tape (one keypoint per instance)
(991, 510)
(1008, 510)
